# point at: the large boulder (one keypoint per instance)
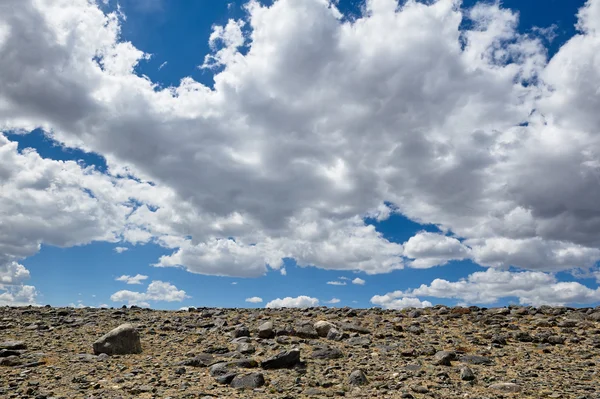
(123, 340)
(323, 327)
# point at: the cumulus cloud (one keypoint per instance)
(358, 281)
(488, 287)
(301, 301)
(254, 299)
(336, 282)
(313, 123)
(431, 249)
(137, 279)
(17, 295)
(120, 250)
(394, 301)
(333, 301)
(156, 291)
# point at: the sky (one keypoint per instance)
(273, 153)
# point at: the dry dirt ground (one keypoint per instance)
(439, 352)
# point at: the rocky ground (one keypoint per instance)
(438, 352)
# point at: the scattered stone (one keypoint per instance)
(286, 359)
(15, 345)
(357, 377)
(466, 374)
(327, 352)
(335, 335)
(305, 330)
(507, 387)
(420, 389)
(512, 351)
(124, 339)
(201, 360)
(443, 358)
(251, 380)
(10, 361)
(265, 330)
(556, 340)
(323, 327)
(474, 359)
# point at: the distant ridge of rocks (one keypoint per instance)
(434, 352)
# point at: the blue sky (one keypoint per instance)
(533, 245)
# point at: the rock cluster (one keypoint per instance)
(439, 352)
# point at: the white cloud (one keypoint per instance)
(120, 250)
(358, 281)
(13, 273)
(164, 64)
(283, 271)
(137, 279)
(333, 301)
(431, 249)
(488, 287)
(336, 282)
(254, 299)
(156, 291)
(478, 135)
(391, 301)
(17, 295)
(301, 301)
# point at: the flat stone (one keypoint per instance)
(282, 360)
(505, 387)
(478, 360)
(13, 345)
(327, 352)
(251, 380)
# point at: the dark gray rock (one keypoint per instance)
(225, 378)
(282, 360)
(556, 340)
(224, 368)
(522, 336)
(419, 389)
(443, 358)
(251, 380)
(474, 359)
(124, 339)
(327, 352)
(10, 361)
(323, 327)
(365, 342)
(13, 345)
(357, 377)
(241, 331)
(354, 328)
(306, 330)
(201, 360)
(9, 352)
(335, 335)
(415, 329)
(466, 374)
(265, 330)
(245, 348)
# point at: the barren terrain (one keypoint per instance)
(437, 352)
